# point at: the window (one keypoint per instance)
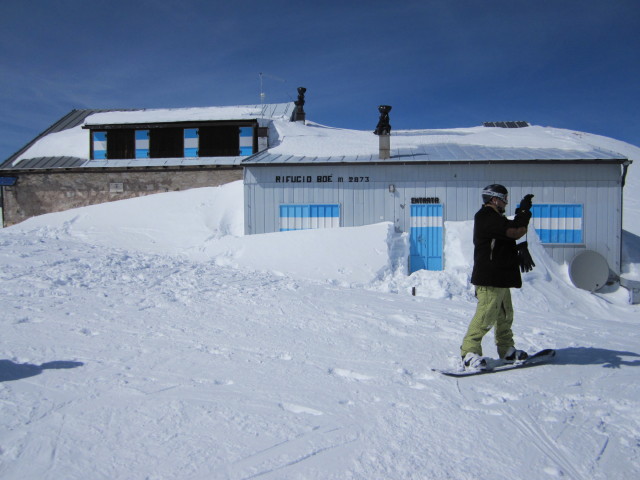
(166, 142)
(305, 217)
(558, 223)
(221, 141)
(160, 141)
(99, 145)
(121, 143)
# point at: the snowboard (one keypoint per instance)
(494, 366)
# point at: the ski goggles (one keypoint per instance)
(502, 196)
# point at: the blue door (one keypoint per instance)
(426, 237)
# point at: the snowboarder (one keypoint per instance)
(495, 270)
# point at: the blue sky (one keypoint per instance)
(440, 63)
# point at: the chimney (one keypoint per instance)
(383, 130)
(299, 115)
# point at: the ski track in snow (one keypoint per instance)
(186, 369)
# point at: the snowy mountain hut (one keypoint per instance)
(321, 177)
(95, 156)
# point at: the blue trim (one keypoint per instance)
(190, 133)
(310, 211)
(246, 151)
(557, 211)
(426, 210)
(246, 131)
(559, 236)
(426, 248)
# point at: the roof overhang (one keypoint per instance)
(446, 154)
(179, 124)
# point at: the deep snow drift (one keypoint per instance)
(147, 339)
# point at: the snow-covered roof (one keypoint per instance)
(66, 143)
(298, 143)
(281, 111)
(441, 153)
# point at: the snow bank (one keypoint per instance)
(207, 224)
(149, 339)
(171, 223)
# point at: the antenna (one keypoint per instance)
(261, 90)
(273, 77)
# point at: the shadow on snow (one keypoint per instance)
(16, 371)
(595, 356)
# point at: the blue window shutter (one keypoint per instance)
(246, 141)
(142, 143)
(558, 223)
(309, 216)
(191, 142)
(99, 145)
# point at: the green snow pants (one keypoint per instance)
(494, 310)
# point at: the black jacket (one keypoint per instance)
(495, 259)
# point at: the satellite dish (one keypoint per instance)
(589, 271)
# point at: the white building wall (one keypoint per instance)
(362, 191)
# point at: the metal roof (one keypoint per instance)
(163, 162)
(47, 162)
(441, 153)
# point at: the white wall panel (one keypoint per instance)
(458, 186)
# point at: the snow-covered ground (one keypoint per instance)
(148, 339)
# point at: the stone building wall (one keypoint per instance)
(37, 193)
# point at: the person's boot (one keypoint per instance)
(473, 361)
(513, 355)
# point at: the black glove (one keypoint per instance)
(525, 203)
(524, 258)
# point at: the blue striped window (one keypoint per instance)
(99, 145)
(246, 141)
(306, 217)
(558, 223)
(190, 142)
(142, 143)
